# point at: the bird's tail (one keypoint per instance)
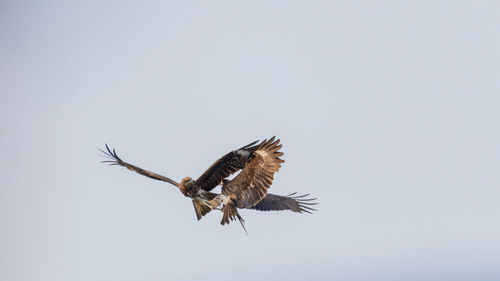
(200, 208)
(231, 213)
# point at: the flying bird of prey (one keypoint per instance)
(247, 190)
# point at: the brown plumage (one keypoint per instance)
(292, 202)
(252, 183)
(226, 166)
(247, 190)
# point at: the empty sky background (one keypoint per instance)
(388, 112)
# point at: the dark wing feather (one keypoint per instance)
(252, 183)
(225, 166)
(113, 159)
(290, 202)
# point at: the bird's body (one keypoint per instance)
(247, 190)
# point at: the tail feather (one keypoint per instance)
(200, 208)
(231, 213)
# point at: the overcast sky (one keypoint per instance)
(388, 112)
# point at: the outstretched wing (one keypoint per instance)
(226, 166)
(292, 202)
(252, 183)
(113, 159)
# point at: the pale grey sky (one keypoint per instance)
(387, 110)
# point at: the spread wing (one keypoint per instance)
(113, 159)
(252, 183)
(290, 202)
(226, 166)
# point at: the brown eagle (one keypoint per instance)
(247, 190)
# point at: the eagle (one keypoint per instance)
(256, 162)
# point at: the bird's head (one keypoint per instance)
(188, 186)
(185, 180)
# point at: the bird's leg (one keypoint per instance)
(209, 204)
(214, 203)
